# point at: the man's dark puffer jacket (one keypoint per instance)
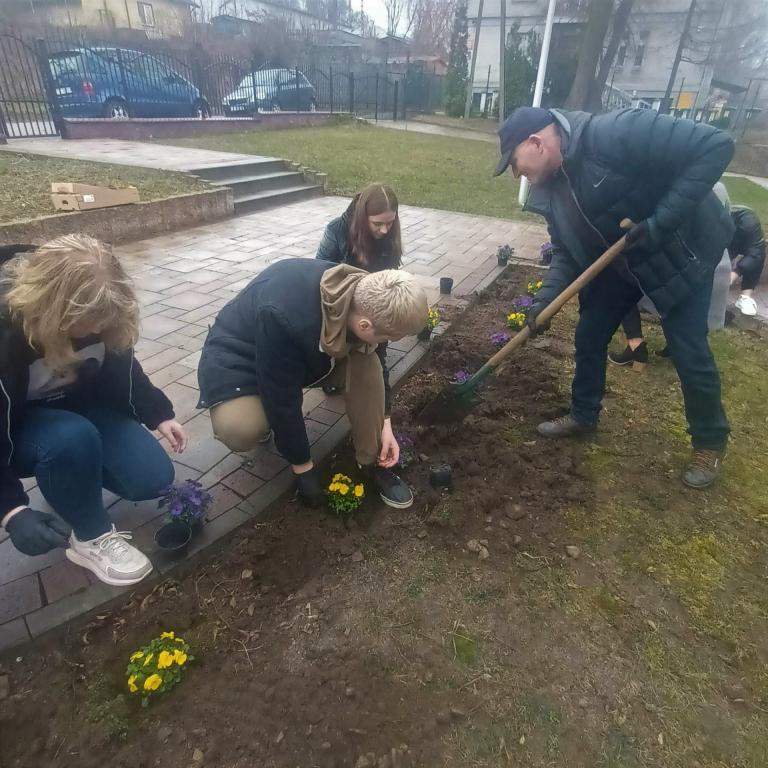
(637, 164)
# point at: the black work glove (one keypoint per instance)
(640, 239)
(309, 488)
(35, 533)
(534, 327)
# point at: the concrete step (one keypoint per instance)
(250, 185)
(257, 167)
(272, 198)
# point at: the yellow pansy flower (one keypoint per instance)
(343, 490)
(153, 682)
(359, 490)
(333, 487)
(170, 635)
(179, 639)
(137, 655)
(132, 684)
(337, 477)
(180, 658)
(149, 658)
(165, 659)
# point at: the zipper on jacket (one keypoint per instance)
(581, 210)
(324, 376)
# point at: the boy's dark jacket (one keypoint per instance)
(283, 332)
(636, 164)
(120, 383)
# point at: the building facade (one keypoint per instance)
(641, 71)
(157, 18)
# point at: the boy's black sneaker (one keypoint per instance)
(393, 491)
(637, 358)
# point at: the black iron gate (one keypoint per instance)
(24, 104)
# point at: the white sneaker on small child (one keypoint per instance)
(110, 557)
(746, 305)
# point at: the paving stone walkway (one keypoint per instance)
(183, 280)
(120, 152)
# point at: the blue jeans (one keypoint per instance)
(602, 306)
(75, 455)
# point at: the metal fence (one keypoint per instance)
(70, 75)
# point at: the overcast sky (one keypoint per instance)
(375, 9)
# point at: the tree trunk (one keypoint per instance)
(620, 21)
(591, 49)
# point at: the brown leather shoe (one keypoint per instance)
(565, 426)
(704, 468)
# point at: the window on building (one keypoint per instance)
(621, 56)
(106, 18)
(640, 50)
(146, 14)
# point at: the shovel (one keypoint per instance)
(456, 400)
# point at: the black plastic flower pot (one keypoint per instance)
(173, 538)
(441, 476)
(446, 285)
(502, 260)
(424, 334)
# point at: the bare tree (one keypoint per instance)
(395, 10)
(598, 20)
(431, 27)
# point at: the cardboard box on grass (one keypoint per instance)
(70, 196)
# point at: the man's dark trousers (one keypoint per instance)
(602, 306)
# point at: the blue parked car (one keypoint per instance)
(121, 83)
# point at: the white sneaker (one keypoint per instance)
(110, 557)
(746, 305)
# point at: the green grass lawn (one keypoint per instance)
(430, 171)
(746, 192)
(25, 182)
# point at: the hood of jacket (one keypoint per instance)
(337, 289)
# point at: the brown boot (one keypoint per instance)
(704, 468)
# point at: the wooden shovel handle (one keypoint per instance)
(586, 277)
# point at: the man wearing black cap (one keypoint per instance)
(589, 172)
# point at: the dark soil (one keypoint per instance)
(387, 641)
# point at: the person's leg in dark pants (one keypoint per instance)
(135, 466)
(636, 351)
(62, 450)
(686, 331)
(602, 305)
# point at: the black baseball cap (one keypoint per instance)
(517, 128)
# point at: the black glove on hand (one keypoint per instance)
(310, 489)
(35, 533)
(640, 239)
(534, 327)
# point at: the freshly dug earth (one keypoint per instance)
(536, 616)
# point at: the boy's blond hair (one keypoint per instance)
(393, 301)
(70, 280)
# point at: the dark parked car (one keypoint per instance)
(119, 83)
(270, 90)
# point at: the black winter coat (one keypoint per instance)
(748, 241)
(640, 165)
(266, 342)
(120, 384)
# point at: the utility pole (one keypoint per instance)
(665, 102)
(502, 56)
(541, 76)
(470, 84)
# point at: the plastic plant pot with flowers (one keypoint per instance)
(186, 505)
(504, 254)
(433, 318)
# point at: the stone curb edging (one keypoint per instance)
(125, 223)
(23, 629)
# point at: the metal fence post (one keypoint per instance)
(253, 88)
(394, 105)
(123, 81)
(50, 88)
(351, 93)
(330, 81)
(376, 109)
(296, 89)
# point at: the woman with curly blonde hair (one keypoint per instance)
(72, 403)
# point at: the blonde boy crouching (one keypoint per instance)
(300, 324)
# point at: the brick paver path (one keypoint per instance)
(183, 280)
(120, 152)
